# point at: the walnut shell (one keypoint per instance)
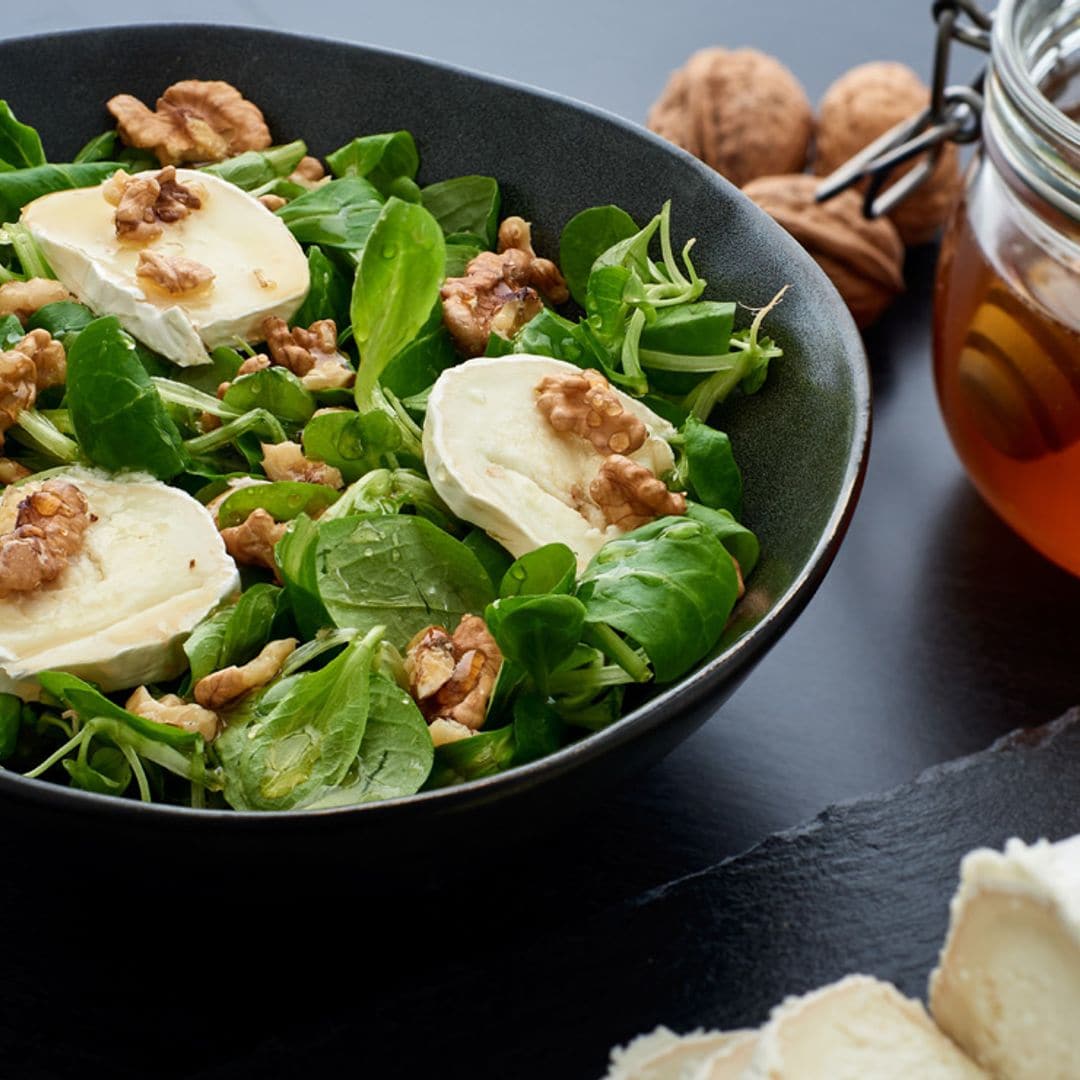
(864, 259)
(742, 112)
(864, 104)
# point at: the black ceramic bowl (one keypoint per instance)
(802, 441)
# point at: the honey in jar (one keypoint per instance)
(1007, 308)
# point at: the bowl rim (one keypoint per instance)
(730, 664)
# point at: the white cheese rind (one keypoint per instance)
(259, 268)
(729, 1062)
(856, 1029)
(496, 461)
(152, 566)
(663, 1055)
(1007, 985)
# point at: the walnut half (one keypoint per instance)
(34, 363)
(223, 688)
(500, 292)
(50, 527)
(312, 353)
(173, 274)
(252, 542)
(630, 495)
(286, 461)
(23, 298)
(451, 677)
(174, 710)
(195, 120)
(145, 203)
(585, 405)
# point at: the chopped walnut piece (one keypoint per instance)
(251, 543)
(308, 172)
(18, 388)
(222, 688)
(585, 404)
(451, 678)
(173, 273)
(312, 353)
(272, 202)
(50, 360)
(49, 529)
(23, 298)
(143, 203)
(500, 292)
(174, 710)
(11, 472)
(447, 731)
(194, 120)
(630, 495)
(286, 461)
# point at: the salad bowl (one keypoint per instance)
(801, 441)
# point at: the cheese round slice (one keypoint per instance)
(496, 461)
(856, 1029)
(1007, 987)
(259, 269)
(152, 566)
(663, 1055)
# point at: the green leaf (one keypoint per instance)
(395, 755)
(328, 293)
(119, 418)
(493, 557)
(91, 704)
(685, 343)
(585, 238)
(397, 284)
(420, 363)
(254, 168)
(106, 771)
(714, 476)
(354, 443)
(394, 491)
(482, 754)
(275, 389)
(382, 159)
(538, 729)
(537, 632)
(223, 366)
(295, 556)
(669, 586)
(283, 500)
(22, 186)
(465, 204)
(459, 253)
(11, 711)
(548, 569)
(101, 147)
(399, 572)
(61, 318)
(297, 739)
(340, 214)
(20, 144)
(235, 635)
(740, 542)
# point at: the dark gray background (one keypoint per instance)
(935, 632)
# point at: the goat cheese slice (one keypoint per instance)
(259, 268)
(497, 463)
(1007, 985)
(856, 1029)
(728, 1062)
(152, 566)
(663, 1055)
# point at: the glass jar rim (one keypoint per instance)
(1012, 67)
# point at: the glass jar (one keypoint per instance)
(1007, 307)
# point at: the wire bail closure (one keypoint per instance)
(954, 114)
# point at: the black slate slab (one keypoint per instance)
(246, 978)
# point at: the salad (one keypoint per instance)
(319, 486)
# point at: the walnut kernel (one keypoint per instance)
(50, 527)
(286, 461)
(630, 494)
(310, 353)
(451, 677)
(252, 542)
(585, 404)
(742, 112)
(194, 120)
(170, 709)
(23, 298)
(174, 274)
(223, 688)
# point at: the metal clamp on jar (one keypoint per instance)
(1007, 307)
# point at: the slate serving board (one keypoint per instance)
(243, 978)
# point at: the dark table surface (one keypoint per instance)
(936, 632)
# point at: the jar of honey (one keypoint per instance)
(1007, 305)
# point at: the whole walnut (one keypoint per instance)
(864, 259)
(740, 111)
(864, 104)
